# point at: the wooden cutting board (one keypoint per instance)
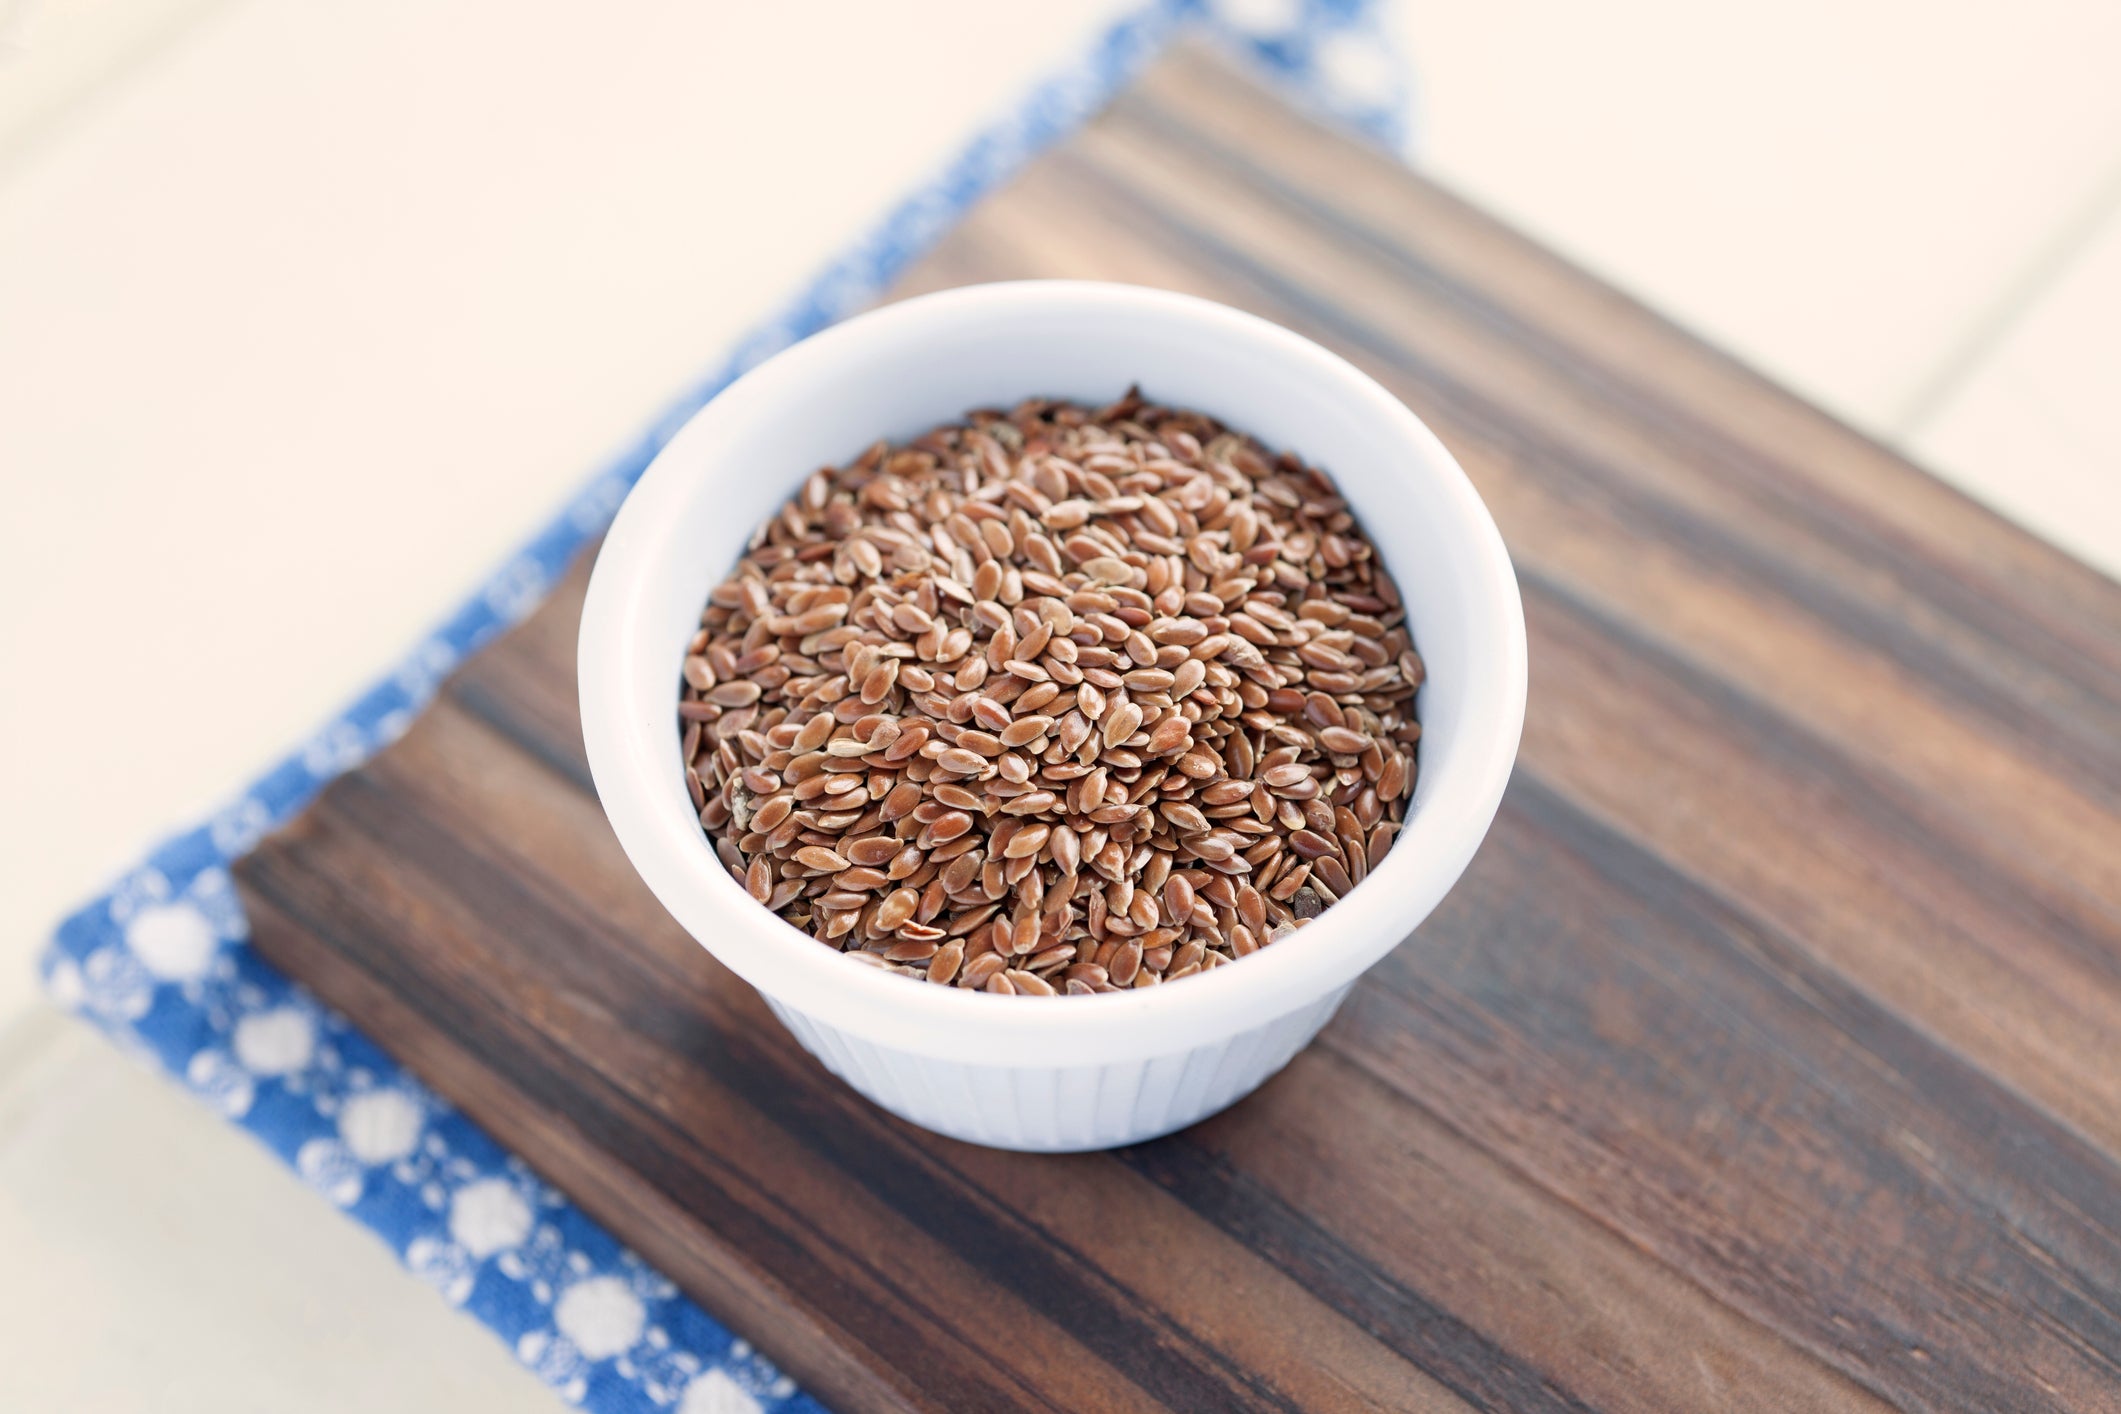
(1768, 1057)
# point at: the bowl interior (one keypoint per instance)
(900, 371)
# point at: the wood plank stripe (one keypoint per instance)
(1474, 1368)
(1696, 1017)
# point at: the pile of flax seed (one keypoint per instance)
(1054, 700)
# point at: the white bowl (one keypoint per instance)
(1065, 1072)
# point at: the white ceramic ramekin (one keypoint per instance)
(1064, 1072)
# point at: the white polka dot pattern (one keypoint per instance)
(174, 943)
(489, 1216)
(276, 1042)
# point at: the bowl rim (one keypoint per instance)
(667, 847)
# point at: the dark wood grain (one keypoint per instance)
(1768, 1057)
